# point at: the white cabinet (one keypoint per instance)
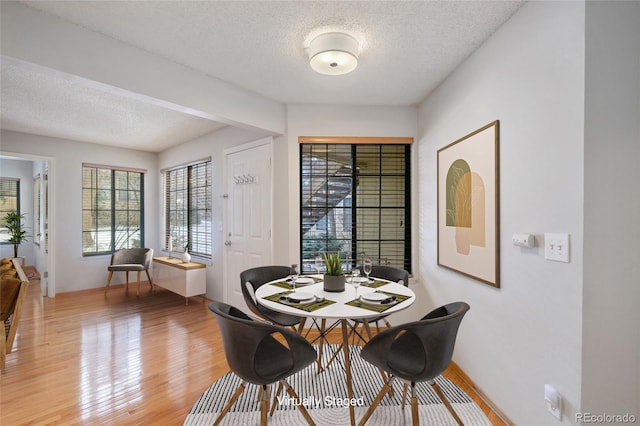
(184, 278)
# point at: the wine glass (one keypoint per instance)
(355, 279)
(366, 267)
(294, 275)
(319, 263)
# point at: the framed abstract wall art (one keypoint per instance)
(468, 205)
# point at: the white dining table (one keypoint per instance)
(338, 311)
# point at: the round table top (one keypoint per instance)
(340, 309)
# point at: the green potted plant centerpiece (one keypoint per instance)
(16, 230)
(334, 279)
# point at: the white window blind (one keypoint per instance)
(188, 201)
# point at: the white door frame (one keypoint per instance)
(49, 257)
(225, 220)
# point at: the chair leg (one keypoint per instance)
(127, 280)
(337, 351)
(275, 399)
(264, 406)
(415, 418)
(445, 401)
(323, 325)
(300, 328)
(149, 278)
(106, 288)
(138, 288)
(335, 354)
(227, 407)
(404, 394)
(292, 393)
(386, 388)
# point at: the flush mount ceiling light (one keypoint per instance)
(333, 53)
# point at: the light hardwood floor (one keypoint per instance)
(82, 359)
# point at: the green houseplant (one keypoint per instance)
(16, 230)
(334, 279)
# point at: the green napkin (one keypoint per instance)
(287, 284)
(307, 307)
(376, 307)
(375, 284)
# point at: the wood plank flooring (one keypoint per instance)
(81, 359)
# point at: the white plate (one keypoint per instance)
(360, 279)
(305, 280)
(302, 296)
(374, 297)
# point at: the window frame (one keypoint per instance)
(3, 240)
(204, 237)
(354, 142)
(114, 194)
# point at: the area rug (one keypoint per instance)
(324, 396)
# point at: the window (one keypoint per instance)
(188, 208)
(9, 201)
(112, 209)
(356, 199)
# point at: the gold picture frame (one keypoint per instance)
(468, 205)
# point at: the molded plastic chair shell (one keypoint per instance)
(256, 356)
(133, 259)
(417, 351)
(390, 273)
(252, 279)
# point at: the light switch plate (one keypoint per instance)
(556, 247)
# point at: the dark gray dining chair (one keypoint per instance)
(389, 273)
(127, 260)
(255, 353)
(415, 352)
(254, 278)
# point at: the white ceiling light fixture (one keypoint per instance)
(333, 53)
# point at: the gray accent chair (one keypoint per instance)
(127, 260)
(255, 354)
(254, 278)
(415, 352)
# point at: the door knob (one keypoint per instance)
(227, 243)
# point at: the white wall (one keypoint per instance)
(611, 341)
(22, 170)
(530, 76)
(73, 271)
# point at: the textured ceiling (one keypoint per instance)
(44, 102)
(407, 47)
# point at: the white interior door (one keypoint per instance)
(248, 214)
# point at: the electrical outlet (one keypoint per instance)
(554, 401)
(556, 247)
